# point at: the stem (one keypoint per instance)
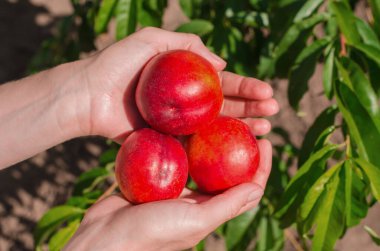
(109, 191)
(289, 235)
(343, 51)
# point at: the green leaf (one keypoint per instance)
(150, 12)
(308, 9)
(375, 7)
(362, 129)
(373, 174)
(372, 52)
(323, 121)
(53, 219)
(237, 227)
(104, 15)
(356, 207)
(295, 31)
(346, 21)
(330, 224)
(323, 138)
(296, 190)
(366, 33)
(187, 7)
(108, 156)
(271, 235)
(199, 27)
(58, 241)
(352, 75)
(126, 18)
(328, 73)
(316, 191)
(200, 246)
(303, 69)
(87, 179)
(374, 236)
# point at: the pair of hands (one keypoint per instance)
(109, 109)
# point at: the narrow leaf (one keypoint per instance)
(303, 69)
(237, 227)
(361, 126)
(373, 174)
(328, 73)
(355, 196)
(187, 7)
(356, 79)
(308, 9)
(294, 194)
(366, 33)
(330, 223)
(271, 236)
(199, 27)
(294, 32)
(53, 219)
(126, 18)
(59, 240)
(346, 21)
(323, 121)
(87, 178)
(316, 190)
(372, 52)
(374, 236)
(104, 15)
(375, 7)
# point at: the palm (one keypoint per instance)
(114, 77)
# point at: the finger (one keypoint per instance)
(227, 205)
(250, 88)
(163, 40)
(106, 206)
(258, 126)
(243, 108)
(265, 165)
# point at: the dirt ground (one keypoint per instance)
(29, 188)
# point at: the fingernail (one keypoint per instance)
(255, 195)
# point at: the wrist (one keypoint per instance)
(70, 98)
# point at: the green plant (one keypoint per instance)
(336, 182)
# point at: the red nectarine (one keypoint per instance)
(222, 155)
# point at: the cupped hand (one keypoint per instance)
(110, 78)
(115, 224)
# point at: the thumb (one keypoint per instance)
(230, 204)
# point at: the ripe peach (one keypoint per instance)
(179, 92)
(222, 155)
(151, 166)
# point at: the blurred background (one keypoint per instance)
(31, 187)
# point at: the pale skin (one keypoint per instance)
(94, 96)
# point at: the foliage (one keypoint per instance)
(336, 183)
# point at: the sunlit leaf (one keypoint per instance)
(373, 174)
(308, 9)
(346, 20)
(374, 236)
(104, 15)
(361, 126)
(59, 240)
(126, 18)
(53, 219)
(197, 26)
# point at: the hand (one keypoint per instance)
(115, 224)
(110, 78)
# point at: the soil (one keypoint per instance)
(29, 188)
